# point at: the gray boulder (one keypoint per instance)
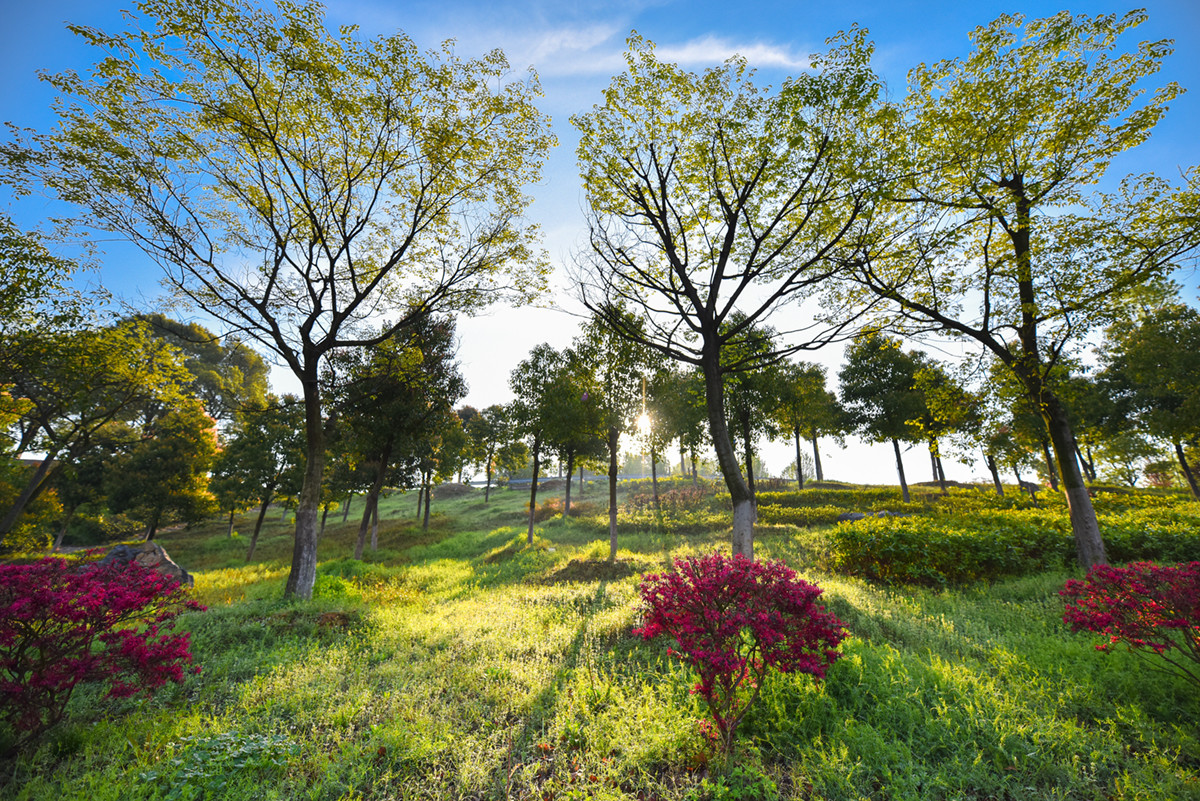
(850, 517)
(150, 555)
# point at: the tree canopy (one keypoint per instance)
(298, 184)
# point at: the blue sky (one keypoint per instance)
(575, 48)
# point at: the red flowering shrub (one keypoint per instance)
(735, 620)
(1149, 608)
(63, 624)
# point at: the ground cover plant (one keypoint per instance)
(458, 662)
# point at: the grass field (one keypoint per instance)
(459, 663)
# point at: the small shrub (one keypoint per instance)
(62, 624)
(1147, 607)
(734, 621)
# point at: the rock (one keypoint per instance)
(883, 513)
(850, 517)
(151, 555)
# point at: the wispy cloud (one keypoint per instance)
(712, 49)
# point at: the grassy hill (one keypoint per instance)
(457, 662)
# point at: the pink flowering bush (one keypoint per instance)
(734, 621)
(1149, 608)
(63, 624)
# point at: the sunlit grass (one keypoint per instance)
(460, 662)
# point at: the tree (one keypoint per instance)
(393, 401)
(678, 411)
(1152, 366)
(227, 376)
(752, 397)
(266, 453)
(72, 383)
(807, 407)
(298, 185)
(534, 387)
(167, 469)
(620, 364)
(946, 409)
(575, 421)
(880, 395)
(493, 435)
(709, 197)
(1006, 242)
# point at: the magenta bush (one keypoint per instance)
(64, 624)
(736, 620)
(1148, 607)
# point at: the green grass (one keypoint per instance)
(459, 663)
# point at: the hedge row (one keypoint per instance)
(951, 550)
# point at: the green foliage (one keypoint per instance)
(740, 784)
(216, 766)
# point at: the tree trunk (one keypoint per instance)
(1089, 546)
(537, 447)
(33, 488)
(303, 574)
(1089, 469)
(695, 477)
(570, 475)
(935, 457)
(152, 526)
(580, 481)
(991, 463)
(1027, 365)
(229, 532)
(487, 487)
(748, 449)
(682, 462)
(324, 515)
(346, 511)
(420, 497)
(375, 525)
(900, 470)
(739, 491)
(799, 465)
(262, 515)
(654, 479)
(428, 498)
(1187, 469)
(614, 436)
(1051, 470)
(62, 531)
(372, 499)
(816, 454)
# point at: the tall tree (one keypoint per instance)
(620, 365)
(709, 197)
(299, 184)
(166, 471)
(265, 451)
(880, 395)
(70, 384)
(392, 402)
(534, 383)
(1152, 367)
(496, 442)
(1007, 242)
(806, 409)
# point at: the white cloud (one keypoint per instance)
(709, 50)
